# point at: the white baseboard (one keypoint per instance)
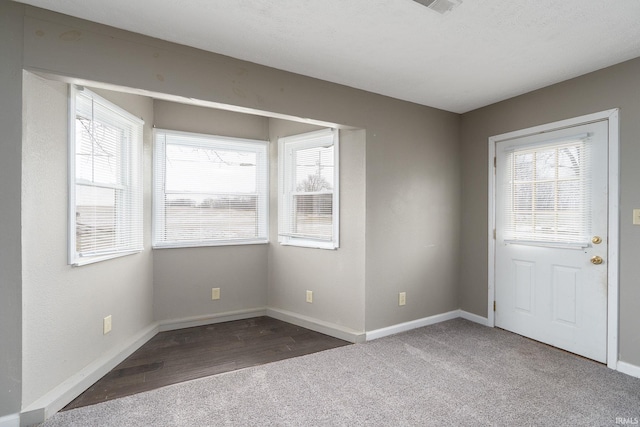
(63, 394)
(68, 390)
(321, 326)
(190, 322)
(474, 318)
(413, 324)
(628, 368)
(12, 420)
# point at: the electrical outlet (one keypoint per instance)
(636, 217)
(215, 293)
(402, 298)
(106, 325)
(309, 296)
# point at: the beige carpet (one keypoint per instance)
(452, 373)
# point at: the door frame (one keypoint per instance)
(611, 116)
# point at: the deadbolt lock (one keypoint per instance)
(596, 260)
(596, 240)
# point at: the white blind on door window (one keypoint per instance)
(209, 190)
(106, 190)
(548, 190)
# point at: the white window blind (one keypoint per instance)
(209, 190)
(105, 179)
(308, 190)
(549, 193)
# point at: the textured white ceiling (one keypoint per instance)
(481, 52)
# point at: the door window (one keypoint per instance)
(548, 193)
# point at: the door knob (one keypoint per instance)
(596, 240)
(596, 260)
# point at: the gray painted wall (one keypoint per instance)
(183, 277)
(336, 277)
(614, 87)
(413, 215)
(410, 175)
(420, 184)
(11, 34)
(63, 306)
(411, 156)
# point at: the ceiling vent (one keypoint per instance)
(440, 6)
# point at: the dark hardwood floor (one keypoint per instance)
(185, 354)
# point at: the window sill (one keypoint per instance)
(179, 245)
(545, 244)
(78, 262)
(312, 244)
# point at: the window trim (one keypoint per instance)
(134, 159)
(158, 208)
(304, 141)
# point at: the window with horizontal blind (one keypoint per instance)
(105, 179)
(549, 193)
(308, 184)
(209, 190)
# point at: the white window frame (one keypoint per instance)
(129, 227)
(259, 147)
(286, 181)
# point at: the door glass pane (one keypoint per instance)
(545, 196)
(545, 164)
(569, 197)
(523, 166)
(569, 162)
(523, 197)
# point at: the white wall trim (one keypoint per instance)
(12, 420)
(354, 336)
(474, 318)
(64, 393)
(613, 303)
(612, 117)
(68, 390)
(629, 369)
(413, 324)
(190, 322)
(491, 293)
(332, 329)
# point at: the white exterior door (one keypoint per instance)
(551, 238)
